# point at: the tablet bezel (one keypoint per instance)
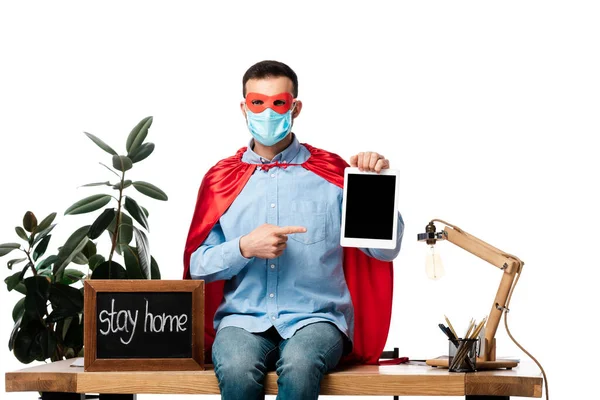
(364, 242)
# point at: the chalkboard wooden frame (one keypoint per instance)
(94, 286)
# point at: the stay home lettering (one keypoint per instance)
(144, 325)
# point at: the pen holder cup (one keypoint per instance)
(462, 355)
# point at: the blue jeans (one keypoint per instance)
(242, 359)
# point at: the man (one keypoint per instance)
(267, 223)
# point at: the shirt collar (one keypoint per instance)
(287, 155)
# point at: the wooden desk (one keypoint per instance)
(393, 380)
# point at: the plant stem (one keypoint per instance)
(31, 263)
(117, 225)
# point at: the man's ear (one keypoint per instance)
(242, 108)
(297, 109)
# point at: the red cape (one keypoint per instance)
(369, 280)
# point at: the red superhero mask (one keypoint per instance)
(280, 103)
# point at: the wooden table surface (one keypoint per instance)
(401, 380)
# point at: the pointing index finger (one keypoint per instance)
(286, 230)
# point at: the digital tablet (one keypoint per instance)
(370, 209)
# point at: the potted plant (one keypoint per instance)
(48, 321)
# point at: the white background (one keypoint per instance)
(488, 109)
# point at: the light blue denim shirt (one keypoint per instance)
(306, 283)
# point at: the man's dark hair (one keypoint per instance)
(270, 69)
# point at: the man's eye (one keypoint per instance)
(278, 102)
(257, 102)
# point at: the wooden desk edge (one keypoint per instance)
(344, 382)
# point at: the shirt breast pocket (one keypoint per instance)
(310, 214)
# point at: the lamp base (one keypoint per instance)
(442, 362)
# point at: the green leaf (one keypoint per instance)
(154, 269)
(67, 298)
(145, 211)
(31, 342)
(107, 183)
(143, 250)
(34, 342)
(46, 263)
(60, 314)
(45, 224)
(80, 259)
(13, 280)
(142, 152)
(74, 334)
(20, 288)
(132, 263)
(19, 309)
(65, 327)
(70, 353)
(122, 163)
(21, 232)
(13, 334)
(50, 345)
(125, 229)
(42, 234)
(6, 248)
(29, 221)
(15, 262)
(89, 249)
(109, 270)
(136, 212)
(101, 223)
(38, 291)
(41, 248)
(108, 168)
(47, 273)
(150, 190)
(89, 204)
(138, 134)
(100, 143)
(71, 276)
(122, 185)
(95, 260)
(75, 243)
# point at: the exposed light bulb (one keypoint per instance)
(433, 264)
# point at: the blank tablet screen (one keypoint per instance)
(370, 206)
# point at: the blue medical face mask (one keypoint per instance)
(268, 126)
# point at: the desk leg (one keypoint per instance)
(62, 396)
(479, 397)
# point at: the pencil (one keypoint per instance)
(451, 327)
(469, 328)
(478, 329)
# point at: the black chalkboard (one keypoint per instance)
(144, 325)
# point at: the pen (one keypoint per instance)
(448, 333)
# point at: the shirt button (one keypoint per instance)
(272, 266)
(271, 295)
(272, 175)
(272, 317)
(272, 205)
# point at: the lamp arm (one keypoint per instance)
(481, 249)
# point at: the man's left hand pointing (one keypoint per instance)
(369, 161)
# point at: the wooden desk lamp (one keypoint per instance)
(509, 264)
